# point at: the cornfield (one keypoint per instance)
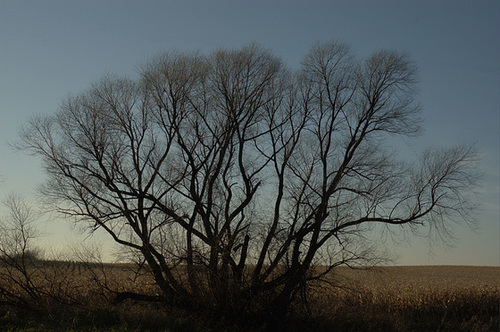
(74, 296)
(411, 298)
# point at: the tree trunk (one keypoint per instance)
(276, 319)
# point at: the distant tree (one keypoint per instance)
(233, 176)
(28, 280)
(18, 254)
(17, 232)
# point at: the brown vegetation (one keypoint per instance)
(451, 298)
(81, 296)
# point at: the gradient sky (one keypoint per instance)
(49, 49)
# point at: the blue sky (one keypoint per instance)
(49, 49)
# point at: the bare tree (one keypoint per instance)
(232, 176)
(19, 257)
(29, 278)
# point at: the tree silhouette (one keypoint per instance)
(232, 176)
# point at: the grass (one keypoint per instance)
(427, 298)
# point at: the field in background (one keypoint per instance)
(449, 298)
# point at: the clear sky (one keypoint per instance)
(49, 49)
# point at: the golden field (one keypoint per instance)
(414, 298)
